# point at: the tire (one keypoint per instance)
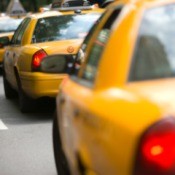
(10, 93)
(60, 159)
(26, 104)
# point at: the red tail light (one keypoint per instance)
(37, 58)
(156, 153)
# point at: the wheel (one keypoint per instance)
(26, 104)
(60, 159)
(8, 90)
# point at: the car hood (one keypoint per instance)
(160, 92)
(60, 47)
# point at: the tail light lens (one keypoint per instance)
(156, 152)
(37, 58)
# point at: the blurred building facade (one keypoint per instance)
(29, 5)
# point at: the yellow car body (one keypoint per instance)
(41, 84)
(35, 39)
(9, 35)
(116, 117)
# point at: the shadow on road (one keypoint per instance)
(45, 109)
(0, 71)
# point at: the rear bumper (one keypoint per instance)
(36, 84)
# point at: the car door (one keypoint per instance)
(12, 52)
(79, 123)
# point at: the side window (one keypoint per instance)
(154, 56)
(20, 31)
(89, 71)
(81, 53)
(17, 32)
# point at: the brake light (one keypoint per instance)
(156, 153)
(37, 58)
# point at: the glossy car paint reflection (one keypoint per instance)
(35, 39)
(117, 115)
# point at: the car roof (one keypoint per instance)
(78, 8)
(141, 3)
(64, 12)
(74, 11)
(148, 1)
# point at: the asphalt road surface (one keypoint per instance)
(25, 139)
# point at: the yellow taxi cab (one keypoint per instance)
(9, 22)
(39, 36)
(117, 116)
(7, 27)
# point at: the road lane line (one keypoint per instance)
(2, 126)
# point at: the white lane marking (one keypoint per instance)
(2, 126)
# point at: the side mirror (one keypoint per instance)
(4, 41)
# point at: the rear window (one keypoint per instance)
(64, 27)
(154, 56)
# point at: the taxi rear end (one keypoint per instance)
(44, 34)
(65, 41)
(45, 76)
(117, 115)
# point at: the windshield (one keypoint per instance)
(64, 27)
(155, 54)
(9, 24)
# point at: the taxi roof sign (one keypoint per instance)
(70, 3)
(15, 8)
